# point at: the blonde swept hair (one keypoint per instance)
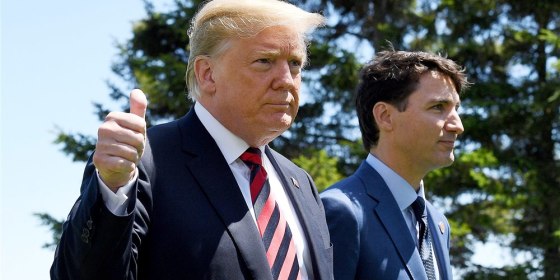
(219, 21)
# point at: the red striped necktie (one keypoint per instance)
(275, 232)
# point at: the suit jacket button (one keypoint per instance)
(85, 235)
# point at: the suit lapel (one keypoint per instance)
(389, 213)
(291, 186)
(222, 191)
(440, 236)
(311, 229)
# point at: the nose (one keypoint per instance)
(284, 79)
(454, 123)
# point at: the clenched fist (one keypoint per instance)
(120, 142)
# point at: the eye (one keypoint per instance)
(458, 109)
(295, 65)
(263, 60)
(262, 64)
(439, 107)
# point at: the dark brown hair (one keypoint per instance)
(391, 77)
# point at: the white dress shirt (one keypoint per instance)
(232, 147)
(405, 195)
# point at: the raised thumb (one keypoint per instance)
(138, 103)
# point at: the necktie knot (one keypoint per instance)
(252, 157)
(419, 206)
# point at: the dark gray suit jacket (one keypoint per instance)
(188, 218)
(369, 234)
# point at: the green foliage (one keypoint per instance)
(518, 272)
(54, 225)
(321, 167)
(78, 146)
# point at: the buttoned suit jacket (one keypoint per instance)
(369, 234)
(187, 217)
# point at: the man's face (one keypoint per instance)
(426, 131)
(257, 82)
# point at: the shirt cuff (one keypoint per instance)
(116, 202)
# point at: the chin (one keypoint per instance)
(443, 161)
(283, 123)
(277, 130)
(449, 162)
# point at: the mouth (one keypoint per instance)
(280, 105)
(450, 144)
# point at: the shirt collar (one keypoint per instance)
(402, 191)
(229, 144)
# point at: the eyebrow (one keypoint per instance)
(277, 52)
(444, 101)
(267, 52)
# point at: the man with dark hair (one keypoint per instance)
(380, 223)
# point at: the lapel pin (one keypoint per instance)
(295, 182)
(441, 227)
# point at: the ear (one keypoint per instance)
(382, 113)
(203, 72)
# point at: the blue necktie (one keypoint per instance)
(424, 237)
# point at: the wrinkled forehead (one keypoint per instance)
(273, 41)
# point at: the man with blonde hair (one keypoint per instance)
(204, 197)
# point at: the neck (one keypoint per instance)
(405, 169)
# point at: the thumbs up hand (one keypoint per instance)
(120, 143)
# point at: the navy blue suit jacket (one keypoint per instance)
(369, 234)
(187, 217)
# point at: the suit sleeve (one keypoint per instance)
(95, 244)
(344, 228)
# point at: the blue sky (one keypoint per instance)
(55, 58)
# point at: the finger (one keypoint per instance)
(119, 150)
(125, 121)
(116, 166)
(138, 103)
(114, 131)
